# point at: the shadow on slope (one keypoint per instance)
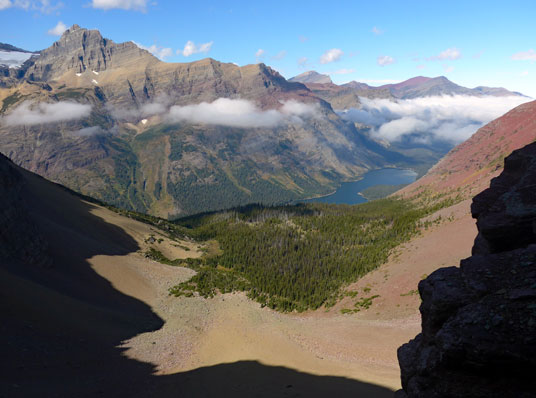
(62, 324)
(253, 379)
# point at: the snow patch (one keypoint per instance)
(95, 82)
(95, 72)
(78, 74)
(13, 59)
(144, 121)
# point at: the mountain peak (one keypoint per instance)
(73, 28)
(80, 49)
(311, 77)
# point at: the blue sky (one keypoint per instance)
(471, 42)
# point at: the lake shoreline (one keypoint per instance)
(349, 192)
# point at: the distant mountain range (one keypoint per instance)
(347, 95)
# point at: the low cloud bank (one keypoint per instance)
(423, 120)
(223, 112)
(29, 114)
(88, 131)
(241, 113)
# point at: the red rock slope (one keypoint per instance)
(470, 166)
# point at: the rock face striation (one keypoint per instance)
(479, 320)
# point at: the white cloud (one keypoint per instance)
(137, 5)
(191, 48)
(529, 55)
(302, 62)
(87, 131)
(331, 56)
(343, 71)
(259, 54)
(302, 38)
(450, 53)
(158, 106)
(448, 68)
(421, 66)
(446, 118)
(377, 31)
(280, 55)
(384, 60)
(44, 6)
(159, 52)
(241, 113)
(58, 29)
(30, 114)
(379, 81)
(524, 73)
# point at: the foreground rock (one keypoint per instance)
(479, 320)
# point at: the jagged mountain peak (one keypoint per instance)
(81, 49)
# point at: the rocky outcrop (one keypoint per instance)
(479, 320)
(506, 212)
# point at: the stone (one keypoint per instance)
(479, 320)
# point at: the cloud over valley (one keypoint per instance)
(423, 120)
(241, 113)
(29, 114)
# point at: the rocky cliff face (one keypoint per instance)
(479, 320)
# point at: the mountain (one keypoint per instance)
(347, 95)
(112, 121)
(468, 168)
(496, 91)
(478, 324)
(11, 59)
(311, 77)
(9, 48)
(421, 86)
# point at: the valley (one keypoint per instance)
(190, 335)
(292, 204)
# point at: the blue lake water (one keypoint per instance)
(348, 191)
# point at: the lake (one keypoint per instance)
(348, 191)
